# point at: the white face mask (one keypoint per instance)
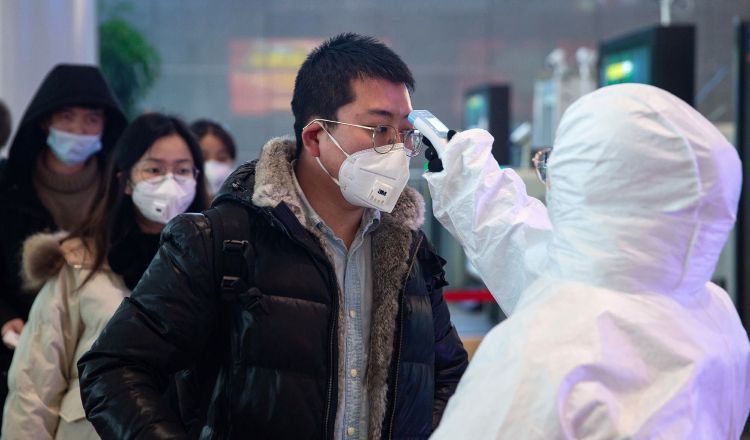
(162, 198)
(73, 149)
(216, 173)
(371, 179)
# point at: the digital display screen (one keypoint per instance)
(632, 65)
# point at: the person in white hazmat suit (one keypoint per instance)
(614, 329)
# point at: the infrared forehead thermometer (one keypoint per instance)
(431, 128)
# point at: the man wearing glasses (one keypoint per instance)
(336, 328)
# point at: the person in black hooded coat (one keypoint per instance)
(46, 189)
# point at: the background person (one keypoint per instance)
(52, 174)
(88, 272)
(219, 151)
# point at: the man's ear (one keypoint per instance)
(311, 137)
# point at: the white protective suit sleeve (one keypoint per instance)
(38, 376)
(502, 230)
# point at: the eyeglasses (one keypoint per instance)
(540, 163)
(384, 137)
(180, 172)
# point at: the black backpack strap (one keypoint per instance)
(234, 254)
(234, 270)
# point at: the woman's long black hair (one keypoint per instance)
(114, 213)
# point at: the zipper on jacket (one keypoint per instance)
(277, 222)
(333, 374)
(401, 337)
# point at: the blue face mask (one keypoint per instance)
(73, 149)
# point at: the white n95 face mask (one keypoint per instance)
(71, 148)
(216, 173)
(162, 198)
(371, 179)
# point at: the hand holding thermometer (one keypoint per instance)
(436, 137)
(431, 128)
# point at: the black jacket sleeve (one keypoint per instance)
(451, 359)
(8, 285)
(162, 328)
(23, 216)
(14, 301)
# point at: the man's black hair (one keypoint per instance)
(324, 82)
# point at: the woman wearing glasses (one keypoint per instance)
(614, 329)
(152, 176)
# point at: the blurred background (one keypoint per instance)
(511, 66)
(235, 60)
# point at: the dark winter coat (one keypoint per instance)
(279, 356)
(23, 213)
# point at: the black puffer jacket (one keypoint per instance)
(278, 355)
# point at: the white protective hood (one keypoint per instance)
(615, 330)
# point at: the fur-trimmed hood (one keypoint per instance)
(44, 254)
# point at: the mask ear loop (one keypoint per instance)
(336, 143)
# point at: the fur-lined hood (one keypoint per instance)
(44, 254)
